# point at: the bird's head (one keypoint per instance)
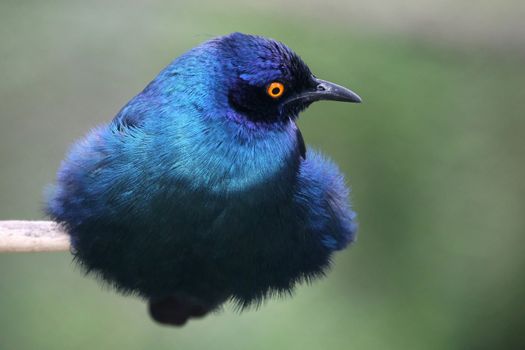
(268, 82)
(247, 78)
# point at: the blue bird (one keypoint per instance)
(201, 189)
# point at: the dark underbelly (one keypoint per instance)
(244, 254)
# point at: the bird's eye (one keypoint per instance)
(275, 89)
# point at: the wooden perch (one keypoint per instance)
(32, 236)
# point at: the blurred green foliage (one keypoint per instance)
(435, 157)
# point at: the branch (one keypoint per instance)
(32, 236)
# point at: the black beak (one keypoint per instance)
(325, 90)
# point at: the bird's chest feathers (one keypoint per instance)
(221, 161)
(228, 161)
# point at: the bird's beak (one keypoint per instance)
(325, 90)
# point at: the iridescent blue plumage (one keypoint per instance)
(201, 188)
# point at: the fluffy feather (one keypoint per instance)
(201, 189)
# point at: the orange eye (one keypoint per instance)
(275, 89)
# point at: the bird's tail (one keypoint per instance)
(176, 310)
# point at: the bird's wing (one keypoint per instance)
(126, 119)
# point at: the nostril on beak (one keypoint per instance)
(321, 87)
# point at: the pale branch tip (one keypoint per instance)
(32, 236)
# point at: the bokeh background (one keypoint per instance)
(435, 157)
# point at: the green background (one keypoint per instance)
(434, 155)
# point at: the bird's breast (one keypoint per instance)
(228, 160)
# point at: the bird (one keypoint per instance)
(201, 190)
